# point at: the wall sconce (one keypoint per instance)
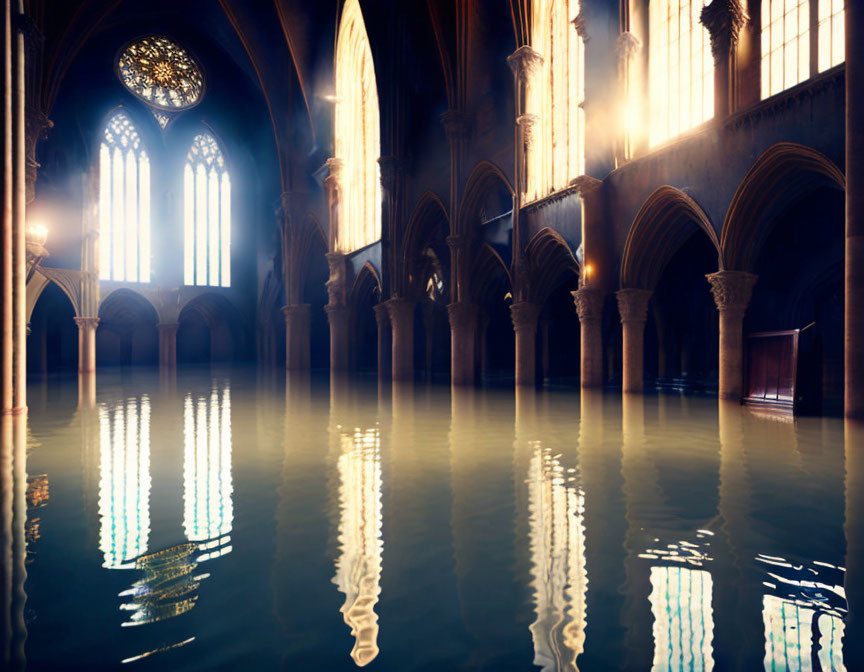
(35, 237)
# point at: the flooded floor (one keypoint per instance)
(241, 522)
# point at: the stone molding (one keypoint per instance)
(633, 305)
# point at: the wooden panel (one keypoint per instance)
(771, 369)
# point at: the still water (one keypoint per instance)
(237, 520)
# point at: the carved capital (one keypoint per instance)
(462, 314)
(627, 45)
(524, 315)
(382, 317)
(400, 310)
(589, 304)
(633, 305)
(457, 125)
(586, 185)
(724, 20)
(581, 25)
(527, 122)
(297, 311)
(337, 282)
(392, 168)
(524, 62)
(732, 290)
(168, 327)
(87, 323)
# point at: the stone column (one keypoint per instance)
(87, 343)
(382, 319)
(854, 318)
(724, 20)
(401, 312)
(853, 654)
(633, 306)
(732, 291)
(463, 337)
(168, 344)
(337, 316)
(589, 306)
(296, 336)
(524, 316)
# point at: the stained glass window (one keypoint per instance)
(358, 134)
(681, 68)
(124, 203)
(206, 215)
(161, 73)
(555, 96)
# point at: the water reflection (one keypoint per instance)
(208, 510)
(124, 483)
(559, 577)
(358, 567)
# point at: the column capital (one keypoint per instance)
(524, 315)
(391, 168)
(336, 311)
(457, 124)
(87, 322)
(462, 314)
(527, 122)
(399, 308)
(335, 166)
(586, 185)
(382, 316)
(627, 45)
(724, 20)
(732, 290)
(580, 24)
(524, 62)
(168, 326)
(589, 303)
(296, 310)
(633, 304)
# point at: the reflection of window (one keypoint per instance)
(206, 215)
(559, 578)
(358, 568)
(556, 97)
(358, 134)
(789, 628)
(124, 203)
(681, 68)
(208, 509)
(124, 482)
(683, 620)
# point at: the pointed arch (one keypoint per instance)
(485, 178)
(489, 273)
(429, 224)
(357, 135)
(117, 298)
(783, 174)
(550, 259)
(667, 218)
(366, 284)
(206, 214)
(124, 202)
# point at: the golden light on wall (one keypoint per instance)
(555, 97)
(358, 567)
(357, 135)
(680, 68)
(558, 575)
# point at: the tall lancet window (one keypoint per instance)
(124, 203)
(357, 137)
(206, 215)
(681, 68)
(555, 97)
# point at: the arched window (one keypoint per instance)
(555, 97)
(787, 26)
(124, 203)
(206, 215)
(681, 68)
(357, 137)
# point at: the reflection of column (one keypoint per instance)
(13, 516)
(633, 306)
(358, 567)
(589, 306)
(208, 509)
(297, 336)
(854, 529)
(124, 483)
(168, 344)
(524, 316)
(87, 391)
(732, 291)
(559, 578)
(87, 343)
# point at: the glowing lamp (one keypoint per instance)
(36, 235)
(588, 270)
